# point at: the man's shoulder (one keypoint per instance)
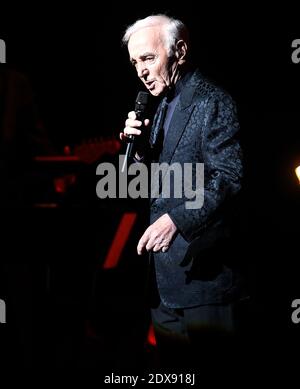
(202, 91)
(206, 88)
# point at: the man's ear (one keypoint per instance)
(181, 51)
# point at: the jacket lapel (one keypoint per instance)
(177, 126)
(180, 118)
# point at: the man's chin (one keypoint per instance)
(155, 92)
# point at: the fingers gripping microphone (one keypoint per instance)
(141, 103)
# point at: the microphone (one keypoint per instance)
(141, 103)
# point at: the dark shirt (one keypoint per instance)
(167, 108)
(172, 99)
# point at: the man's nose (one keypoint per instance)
(142, 71)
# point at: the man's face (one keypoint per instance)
(150, 59)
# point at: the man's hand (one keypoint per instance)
(132, 127)
(158, 236)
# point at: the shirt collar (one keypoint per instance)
(175, 91)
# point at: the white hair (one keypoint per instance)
(173, 30)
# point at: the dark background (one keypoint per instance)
(84, 86)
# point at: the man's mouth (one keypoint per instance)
(150, 84)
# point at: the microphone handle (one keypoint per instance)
(130, 144)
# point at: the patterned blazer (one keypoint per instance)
(203, 130)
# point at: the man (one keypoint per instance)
(198, 286)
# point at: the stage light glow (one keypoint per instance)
(297, 171)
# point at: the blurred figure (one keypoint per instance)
(43, 279)
(21, 138)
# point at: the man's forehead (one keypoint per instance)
(145, 37)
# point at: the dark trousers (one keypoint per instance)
(203, 337)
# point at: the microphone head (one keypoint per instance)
(141, 101)
(142, 98)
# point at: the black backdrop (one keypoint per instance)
(84, 87)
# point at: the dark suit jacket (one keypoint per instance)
(203, 129)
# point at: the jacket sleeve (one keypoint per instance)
(222, 167)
